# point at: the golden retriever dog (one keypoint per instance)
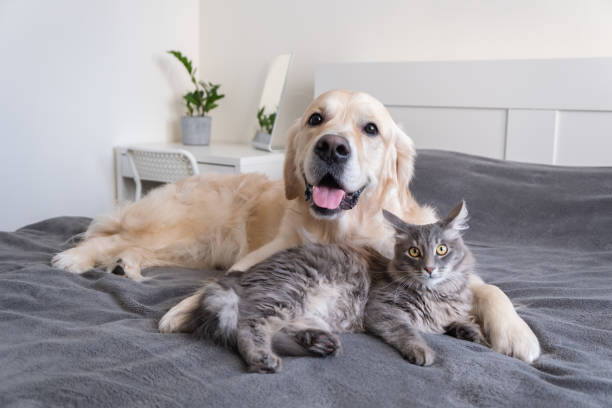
(346, 160)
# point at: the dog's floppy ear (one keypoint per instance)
(290, 176)
(406, 153)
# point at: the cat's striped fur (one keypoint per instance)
(298, 299)
(291, 303)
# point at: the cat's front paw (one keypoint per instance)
(265, 363)
(419, 354)
(466, 331)
(319, 342)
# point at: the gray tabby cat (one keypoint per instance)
(293, 302)
(425, 287)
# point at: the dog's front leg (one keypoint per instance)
(507, 332)
(277, 244)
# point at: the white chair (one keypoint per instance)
(165, 165)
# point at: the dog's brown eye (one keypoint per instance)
(370, 129)
(315, 119)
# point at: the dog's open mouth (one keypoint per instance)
(328, 196)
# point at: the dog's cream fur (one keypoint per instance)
(236, 221)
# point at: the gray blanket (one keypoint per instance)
(542, 234)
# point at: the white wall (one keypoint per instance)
(76, 78)
(238, 39)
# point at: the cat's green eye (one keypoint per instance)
(442, 250)
(414, 252)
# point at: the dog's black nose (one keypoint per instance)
(333, 149)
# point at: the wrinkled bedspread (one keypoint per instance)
(542, 234)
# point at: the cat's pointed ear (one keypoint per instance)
(458, 217)
(395, 221)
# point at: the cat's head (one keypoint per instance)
(428, 254)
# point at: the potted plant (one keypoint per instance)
(263, 136)
(195, 125)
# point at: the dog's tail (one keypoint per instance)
(211, 313)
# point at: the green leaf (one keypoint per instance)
(203, 99)
(211, 96)
(266, 122)
(192, 98)
(184, 60)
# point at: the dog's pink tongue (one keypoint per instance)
(326, 197)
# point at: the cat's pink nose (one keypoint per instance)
(429, 269)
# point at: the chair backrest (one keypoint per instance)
(161, 165)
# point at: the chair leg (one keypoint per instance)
(138, 193)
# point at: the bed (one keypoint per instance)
(541, 233)
(546, 111)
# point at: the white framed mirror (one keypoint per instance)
(270, 102)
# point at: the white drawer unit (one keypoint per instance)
(218, 158)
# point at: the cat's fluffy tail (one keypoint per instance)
(212, 313)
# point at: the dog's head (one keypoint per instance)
(344, 148)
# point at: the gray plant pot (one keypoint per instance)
(262, 141)
(196, 130)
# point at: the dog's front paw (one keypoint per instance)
(507, 332)
(265, 363)
(513, 337)
(419, 354)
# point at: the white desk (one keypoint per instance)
(218, 157)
